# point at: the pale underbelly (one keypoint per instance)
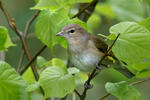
(85, 62)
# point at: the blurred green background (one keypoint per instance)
(106, 14)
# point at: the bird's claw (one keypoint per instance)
(97, 67)
(87, 86)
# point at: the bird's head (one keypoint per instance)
(72, 31)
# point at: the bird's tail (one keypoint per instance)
(118, 65)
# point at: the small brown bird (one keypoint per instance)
(85, 50)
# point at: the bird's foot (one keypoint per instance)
(87, 85)
(97, 67)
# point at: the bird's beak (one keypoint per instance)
(59, 34)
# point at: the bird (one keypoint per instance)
(85, 50)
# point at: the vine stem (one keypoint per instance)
(134, 83)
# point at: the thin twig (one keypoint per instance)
(20, 60)
(12, 25)
(83, 96)
(29, 36)
(134, 83)
(106, 95)
(24, 44)
(140, 81)
(28, 24)
(77, 93)
(33, 59)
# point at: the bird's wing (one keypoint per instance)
(102, 46)
(99, 43)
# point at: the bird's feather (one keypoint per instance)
(99, 43)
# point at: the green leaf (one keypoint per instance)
(28, 76)
(143, 74)
(132, 94)
(56, 82)
(36, 1)
(54, 4)
(12, 86)
(55, 62)
(33, 87)
(79, 22)
(36, 96)
(47, 28)
(133, 45)
(93, 22)
(105, 10)
(117, 89)
(73, 70)
(112, 37)
(80, 78)
(40, 61)
(76, 1)
(148, 1)
(146, 23)
(5, 41)
(130, 10)
(123, 91)
(51, 4)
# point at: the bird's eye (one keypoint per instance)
(72, 31)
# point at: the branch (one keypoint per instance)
(134, 83)
(28, 24)
(106, 95)
(77, 93)
(33, 59)
(12, 25)
(29, 36)
(42, 49)
(20, 60)
(24, 44)
(140, 81)
(83, 96)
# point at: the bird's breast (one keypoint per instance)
(85, 59)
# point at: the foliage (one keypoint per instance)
(56, 82)
(123, 91)
(5, 41)
(49, 18)
(12, 86)
(132, 36)
(127, 17)
(127, 9)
